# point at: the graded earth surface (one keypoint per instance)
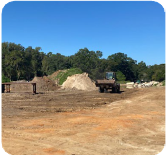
(72, 122)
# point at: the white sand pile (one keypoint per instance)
(79, 82)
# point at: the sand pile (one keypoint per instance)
(44, 84)
(79, 82)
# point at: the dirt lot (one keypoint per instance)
(79, 122)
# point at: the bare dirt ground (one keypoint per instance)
(79, 122)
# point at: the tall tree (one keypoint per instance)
(86, 59)
(120, 61)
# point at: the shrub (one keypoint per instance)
(163, 83)
(120, 76)
(5, 79)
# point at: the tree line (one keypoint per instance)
(20, 63)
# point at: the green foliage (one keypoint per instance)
(163, 83)
(85, 59)
(52, 62)
(123, 82)
(120, 62)
(120, 76)
(25, 63)
(155, 72)
(62, 76)
(158, 75)
(5, 79)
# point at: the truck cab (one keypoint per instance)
(110, 76)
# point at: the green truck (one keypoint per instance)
(108, 83)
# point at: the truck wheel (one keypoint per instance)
(101, 90)
(114, 89)
(119, 89)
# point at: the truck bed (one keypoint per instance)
(104, 82)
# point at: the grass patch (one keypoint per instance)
(62, 76)
(123, 82)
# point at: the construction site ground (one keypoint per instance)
(76, 122)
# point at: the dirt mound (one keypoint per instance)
(44, 84)
(79, 82)
(53, 76)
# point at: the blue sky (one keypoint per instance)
(134, 28)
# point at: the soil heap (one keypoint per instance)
(79, 82)
(44, 84)
(54, 75)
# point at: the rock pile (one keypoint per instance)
(143, 85)
(130, 85)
